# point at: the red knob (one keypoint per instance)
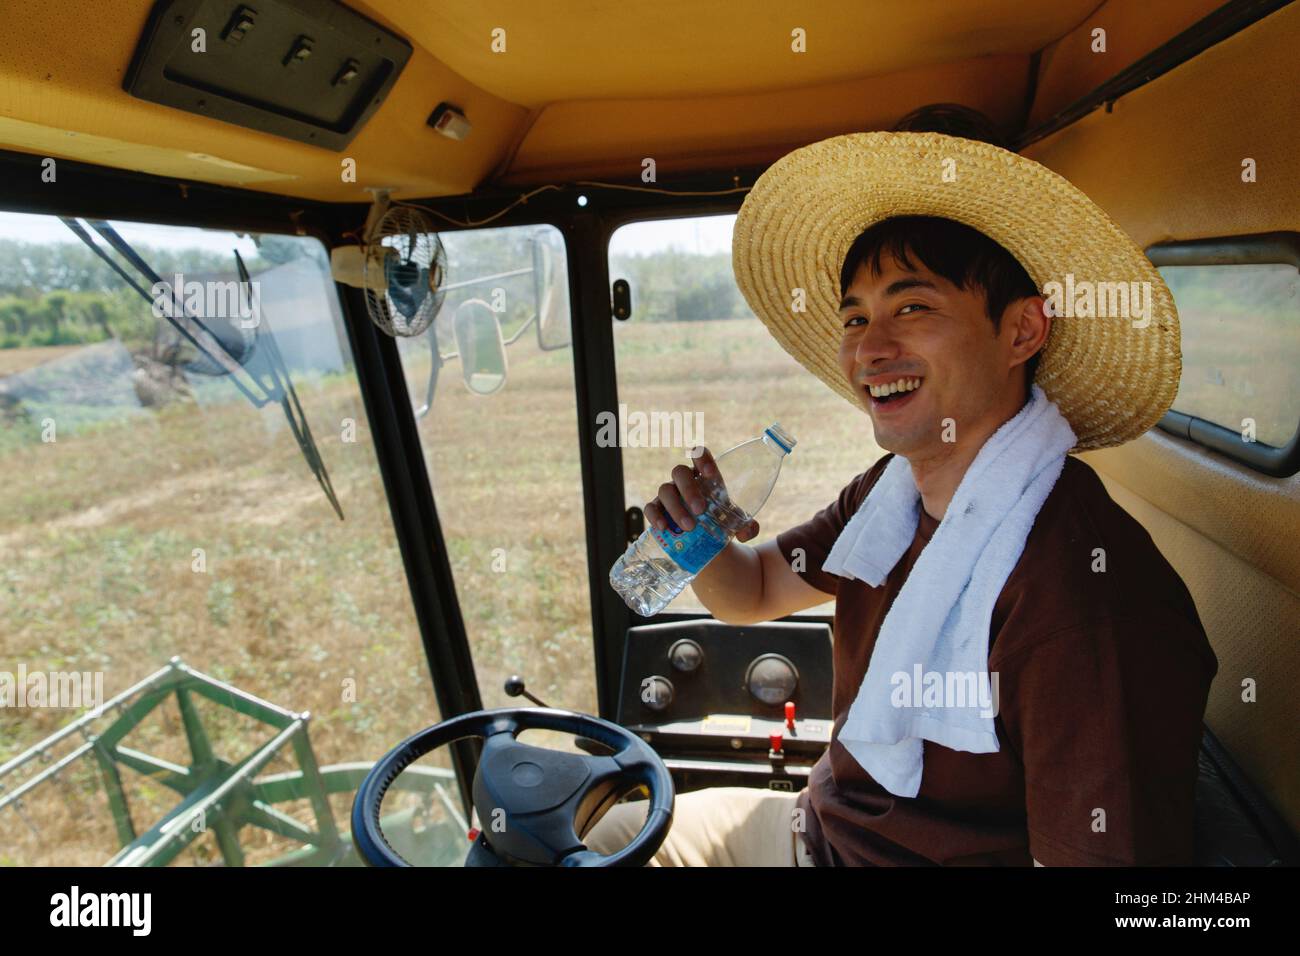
(472, 834)
(789, 714)
(776, 739)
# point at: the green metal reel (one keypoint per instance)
(225, 797)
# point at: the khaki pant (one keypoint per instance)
(717, 826)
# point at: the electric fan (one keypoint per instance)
(402, 267)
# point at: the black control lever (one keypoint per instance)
(514, 687)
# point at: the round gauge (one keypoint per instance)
(772, 679)
(657, 692)
(686, 655)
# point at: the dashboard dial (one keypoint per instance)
(686, 655)
(772, 679)
(657, 693)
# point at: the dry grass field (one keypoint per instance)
(19, 360)
(98, 531)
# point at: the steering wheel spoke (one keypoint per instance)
(584, 858)
(499, 723)
(638, 763)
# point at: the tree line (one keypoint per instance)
(676, 286)
(64, 294)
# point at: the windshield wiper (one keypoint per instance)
(282, 387)
(193, 329)
(275, 386)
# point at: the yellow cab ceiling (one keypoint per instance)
(583, 88)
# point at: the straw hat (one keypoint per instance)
(1112, 375)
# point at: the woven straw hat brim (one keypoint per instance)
(1111, 380)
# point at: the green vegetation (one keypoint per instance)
(63, 294)
(63, 318)
(675, 286)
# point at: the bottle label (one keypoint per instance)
(693, 549)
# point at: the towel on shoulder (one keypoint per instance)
(939, 622)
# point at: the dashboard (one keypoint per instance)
(728, 705)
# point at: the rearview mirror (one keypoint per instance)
(479, 345)
(551, 295)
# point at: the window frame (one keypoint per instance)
(633, 518)
(1279, 248)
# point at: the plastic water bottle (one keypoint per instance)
(658, 565)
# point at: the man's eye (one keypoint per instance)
(854, 320)
(911, 305)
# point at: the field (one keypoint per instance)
(21, 359)
(1240, 346)
(98, 532)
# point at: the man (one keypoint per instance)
(908, 272)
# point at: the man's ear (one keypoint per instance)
(1030, 324)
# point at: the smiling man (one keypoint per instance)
(1020, 676)
(919, 294)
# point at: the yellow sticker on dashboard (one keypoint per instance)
(725, 724)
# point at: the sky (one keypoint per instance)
(703, 235)
(29, 228)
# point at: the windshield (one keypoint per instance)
(151, 510)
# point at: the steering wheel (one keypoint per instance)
(533, 802)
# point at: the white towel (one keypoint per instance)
(939, 622)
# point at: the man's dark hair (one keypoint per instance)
(954, 120)
(964, 256)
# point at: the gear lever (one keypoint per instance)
(515, 687)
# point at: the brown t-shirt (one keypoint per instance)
(1103, 678)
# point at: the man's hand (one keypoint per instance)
(687, 495)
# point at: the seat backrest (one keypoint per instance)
(1230, 533)
(1235, 826)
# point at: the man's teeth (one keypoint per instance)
(902, 385)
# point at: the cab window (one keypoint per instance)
(691, 346)
(218, 505)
